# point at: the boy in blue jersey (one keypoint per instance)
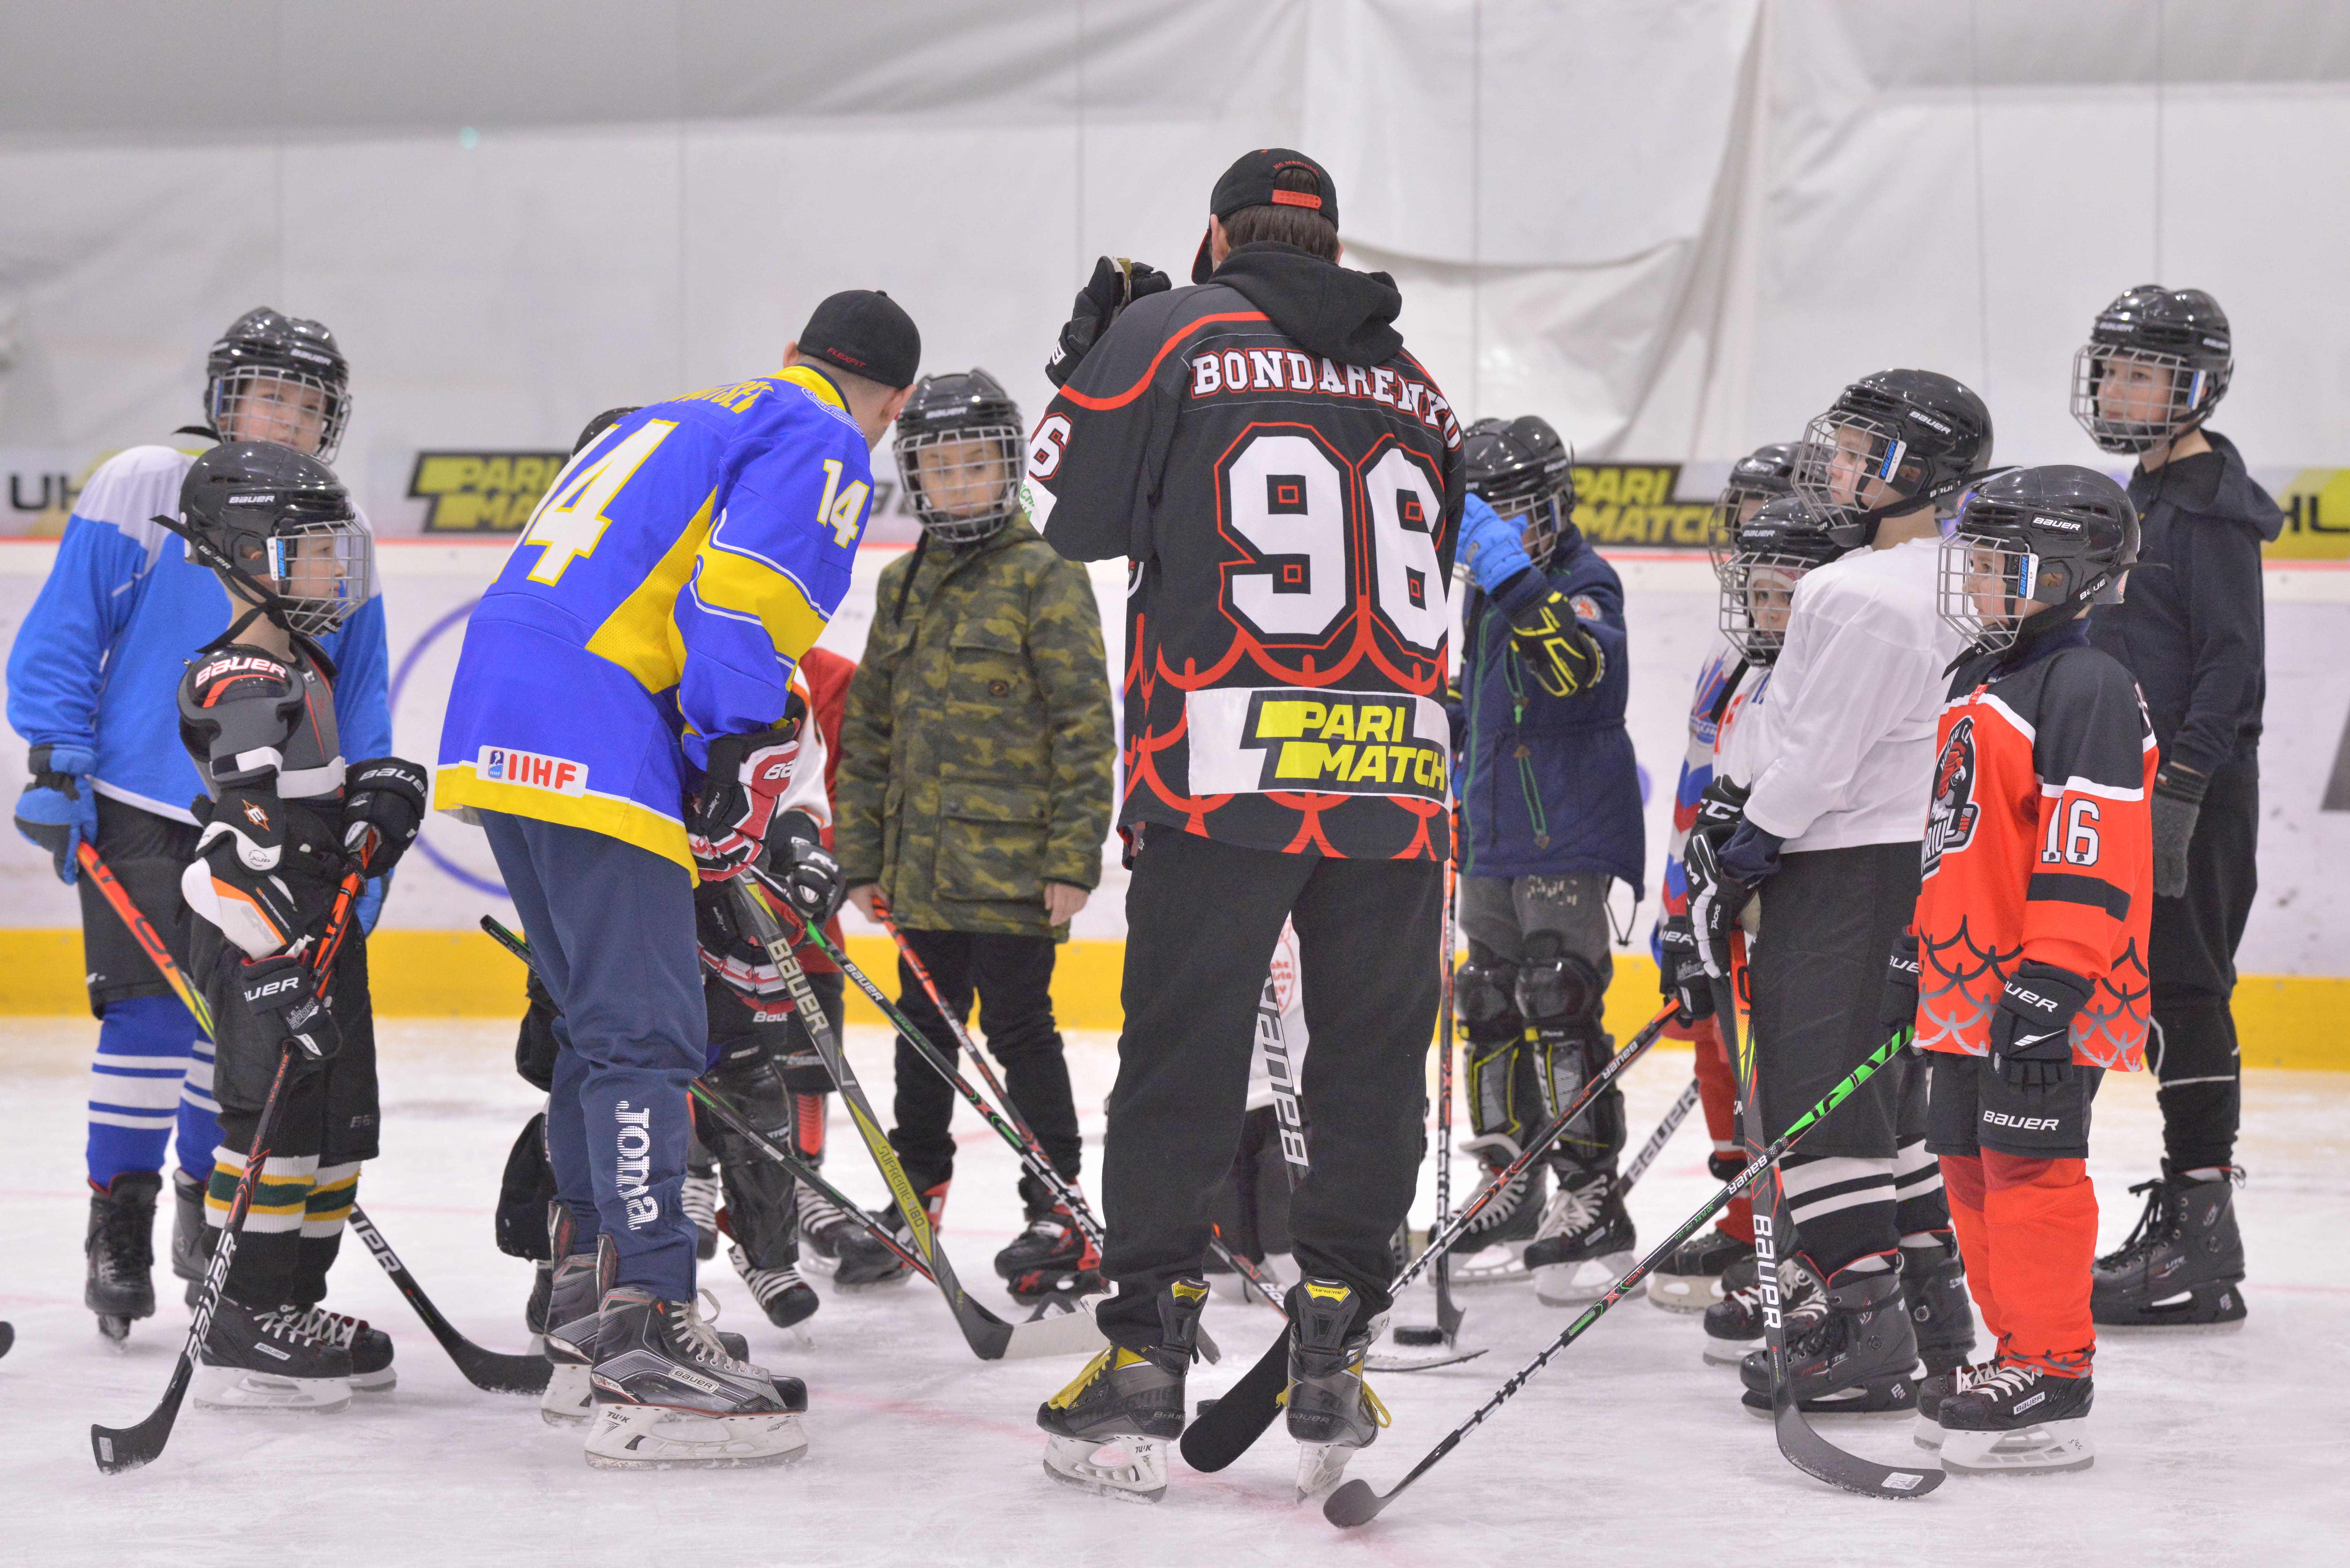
(620, 723)
(93, 678)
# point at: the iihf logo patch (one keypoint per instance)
(1950, 820)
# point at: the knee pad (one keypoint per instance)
(751, 1081)
(1556, 988)
(1484, 994)
(2192, 1040)
(1560, 1062)
(762, 1209)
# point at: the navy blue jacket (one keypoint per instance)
(1551, 786)
(2191, 625)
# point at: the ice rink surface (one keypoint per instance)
(2231, 1449)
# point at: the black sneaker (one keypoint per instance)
(2182, 1267)
(668, 1395)
(1857, 1356)
(118, 1247)
(1733, 1324)
(369, 1348)
(1584, 1243)
(1934, 1288)
(260, 1359)
(1332, 1411)
(1691, 1279)
(2018, 1420)
(1108, 1432)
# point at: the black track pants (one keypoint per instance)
(2192, 957)
(1202, 921)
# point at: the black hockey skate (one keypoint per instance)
(782, 1294)
(1493, 1247)
(667, 1393)
(259, 1358)
(1108, 1430)
(534, 1310)
(698, 1195)
(1932, 1391)
(834, 1246)
(2018, 1420)
(369, 1348)
(1934, 1289)
(1050, 1258)
(1856, 1355)
(1332, 1411)
(2183, 1265)
(1691, 1279)
(119, 1248)
(191, 1235)
(1584, 1243)
(1734, 1324)
(573, 1291)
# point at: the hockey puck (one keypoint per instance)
(1419, 1334)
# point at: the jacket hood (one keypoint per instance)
(1328, 309)
(2238, 497)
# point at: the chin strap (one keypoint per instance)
(270, 603)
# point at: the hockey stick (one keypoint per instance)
(1356, 1503)
(1675, 1115)
(128, 1448)
(488, 1370)
(143, 932)
(990, 1337)
(1802, 1445)
(1448, 1313)
(1241, 1417)
(726, 1111)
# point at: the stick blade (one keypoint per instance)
(126, 1449)
(1242, 1416)
(1823, 1461)
(1352, 1504)
(1067, 1334)
(493, 1372)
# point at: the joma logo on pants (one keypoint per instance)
(631, 1175)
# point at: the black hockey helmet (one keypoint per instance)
(1764, 554)
(1523, 472)
(1891, 442)
(280, 373)
(959, 450)
(2060, 535)
(280, 526)
(1761, 474)
(2156, 363)
(601, 423)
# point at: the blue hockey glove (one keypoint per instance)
(369, 907)
(2031, 1027)
(58, 810)
(1493, 550)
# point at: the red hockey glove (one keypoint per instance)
(747, 774)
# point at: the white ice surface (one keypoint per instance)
(2213, 1450)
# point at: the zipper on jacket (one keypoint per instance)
(1514, 674)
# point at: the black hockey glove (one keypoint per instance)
(1116, 283)
(2031, 1028)
(1720, 809)
(1715, 901)
(2177, 802)
(383, 806)
(282, 990)
(1566, 658)
(1681, 973)
(747, 774)
(801, 869)
(1898, 1010)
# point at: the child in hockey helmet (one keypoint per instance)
(280, 530)
(1889, 444)
(2155, 364)
(278, 378)
(1523, 472)
(959, 455)
(1758, 565)
(2034, 548)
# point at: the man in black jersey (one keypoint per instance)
(1285, 478)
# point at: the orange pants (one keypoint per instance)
(1717, 1092)
(2028, 1232)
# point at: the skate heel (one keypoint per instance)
(569, 1399)
(1321, 1467)
(238, 1388)
(649, 1436)
(1127, 1468)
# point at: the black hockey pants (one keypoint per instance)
(1202, 921)
(2192, 958)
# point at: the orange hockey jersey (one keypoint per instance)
(2038, 847)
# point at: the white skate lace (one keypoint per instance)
(818, 1213)
(699, 1340)
(2006, 1382)
(329, 1327)
(765, 1284)
(1572, 1210)
(699, 1198)
(285, 1323)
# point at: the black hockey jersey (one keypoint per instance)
(1284, 481)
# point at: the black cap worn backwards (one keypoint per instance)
(866, 333)
(1251, 183)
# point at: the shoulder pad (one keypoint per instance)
(238, 707)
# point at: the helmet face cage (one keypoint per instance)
(323, 569)
(964, 479)
(1542, 518)
(1758, 568)
(2132, 399)
(1983, 582)
(1851, 462)
(296, 408)
(1733, 506)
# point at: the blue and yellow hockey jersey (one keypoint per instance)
(666, 587)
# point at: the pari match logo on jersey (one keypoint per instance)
(1262, 740)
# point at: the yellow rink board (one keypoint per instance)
(2282, 1020)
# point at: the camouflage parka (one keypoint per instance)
(977, 750)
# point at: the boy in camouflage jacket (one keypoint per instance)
(975, 788)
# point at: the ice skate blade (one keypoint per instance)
(1928, 1435)
(1684, 1292)
(1819, 1410)
(1495, 1265)
(2202, 1308)
(1581, 1283)
(651, 1438)
(1729, 1353)
(569, 1399)
(383, 1382)
(2044, 1448)
(1128, 1469)
(234, 1388)
(1320, 1468)
(862, 1287)
(114, 1330)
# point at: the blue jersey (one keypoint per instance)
(97, 664)
(665, 589)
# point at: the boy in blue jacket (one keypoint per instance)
(93, 689)
(1551, 803)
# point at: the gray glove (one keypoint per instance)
(2177, 802)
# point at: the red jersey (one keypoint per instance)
(2039, 848)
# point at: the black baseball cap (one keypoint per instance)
(866, 333)
(1250, 182)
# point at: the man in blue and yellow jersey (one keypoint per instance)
(622, 725)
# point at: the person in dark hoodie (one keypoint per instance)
(1286, 481)
(2191, 629)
